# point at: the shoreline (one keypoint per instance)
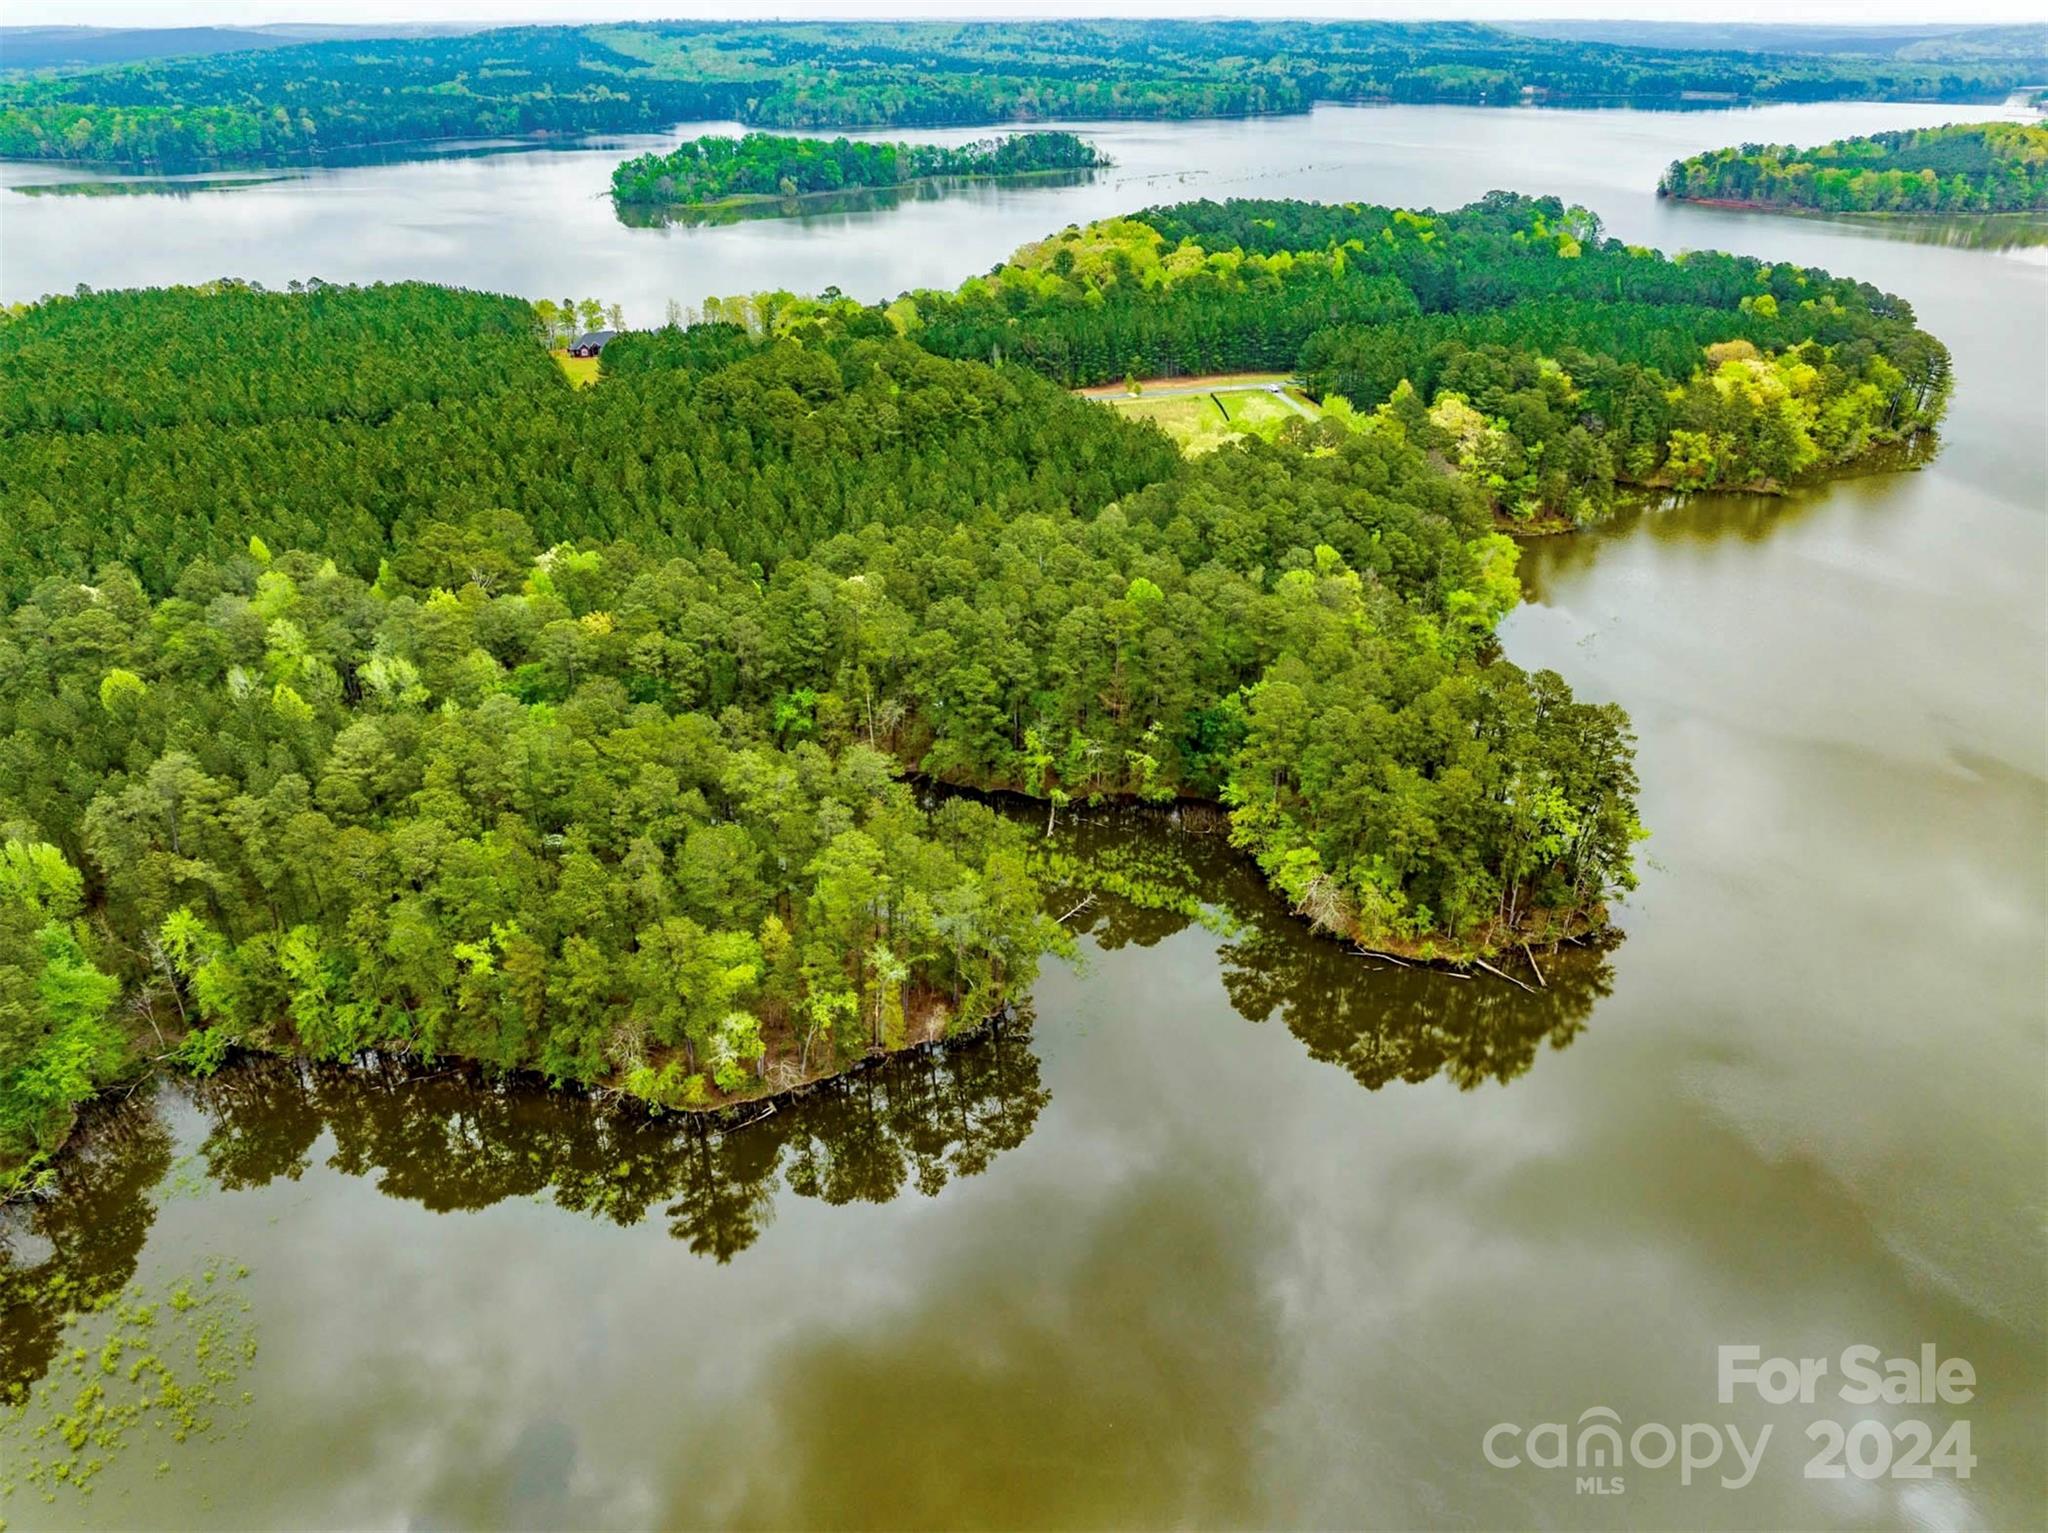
(1653, 495)
(1630, 494)
(1544, 100)
(738, 201)
(1419, 952)
(721, 1118)
(724, 1117)
(1800, 210)
(1515, 949)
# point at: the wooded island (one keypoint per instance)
(766, 167)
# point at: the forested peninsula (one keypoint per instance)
(1551, 367)
(705, 172)
(291, 105)
(1986, 167)
(366, 687)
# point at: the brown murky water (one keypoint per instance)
(1239, 1230)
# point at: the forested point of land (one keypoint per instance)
(364, 686)
(328, 99)
(715, 168)
(1987, 167)
(1551, 367)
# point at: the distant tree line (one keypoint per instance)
(336, 99)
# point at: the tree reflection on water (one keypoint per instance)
(1380, 1021)
(455, 1139)
(820, 206)
(75, 1251)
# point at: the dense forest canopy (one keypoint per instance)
(290, 104)
(1548, 363)
(1985, 167)
(713, 167)
(404, 697)
(114, 363)
(366, 686)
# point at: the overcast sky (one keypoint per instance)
(159, 13)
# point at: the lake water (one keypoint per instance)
(1240, 1230)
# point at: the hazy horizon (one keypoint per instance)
(1804, 13)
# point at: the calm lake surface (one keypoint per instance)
(1240, 1230)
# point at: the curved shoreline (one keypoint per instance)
(796, 204)
(734, 1112)
(724, 1117)
(1742, 205)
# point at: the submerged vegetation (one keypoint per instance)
(1985, 167)
(138, 1370)
(295, 104)
(365, 686)
(716, 169)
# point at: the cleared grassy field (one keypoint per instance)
(1256, 408)
(1202, 417)
(1192, 420)
(581, 371)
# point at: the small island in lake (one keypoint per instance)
(1981, 167)
(714, 173)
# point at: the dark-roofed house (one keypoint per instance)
(590, 343)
